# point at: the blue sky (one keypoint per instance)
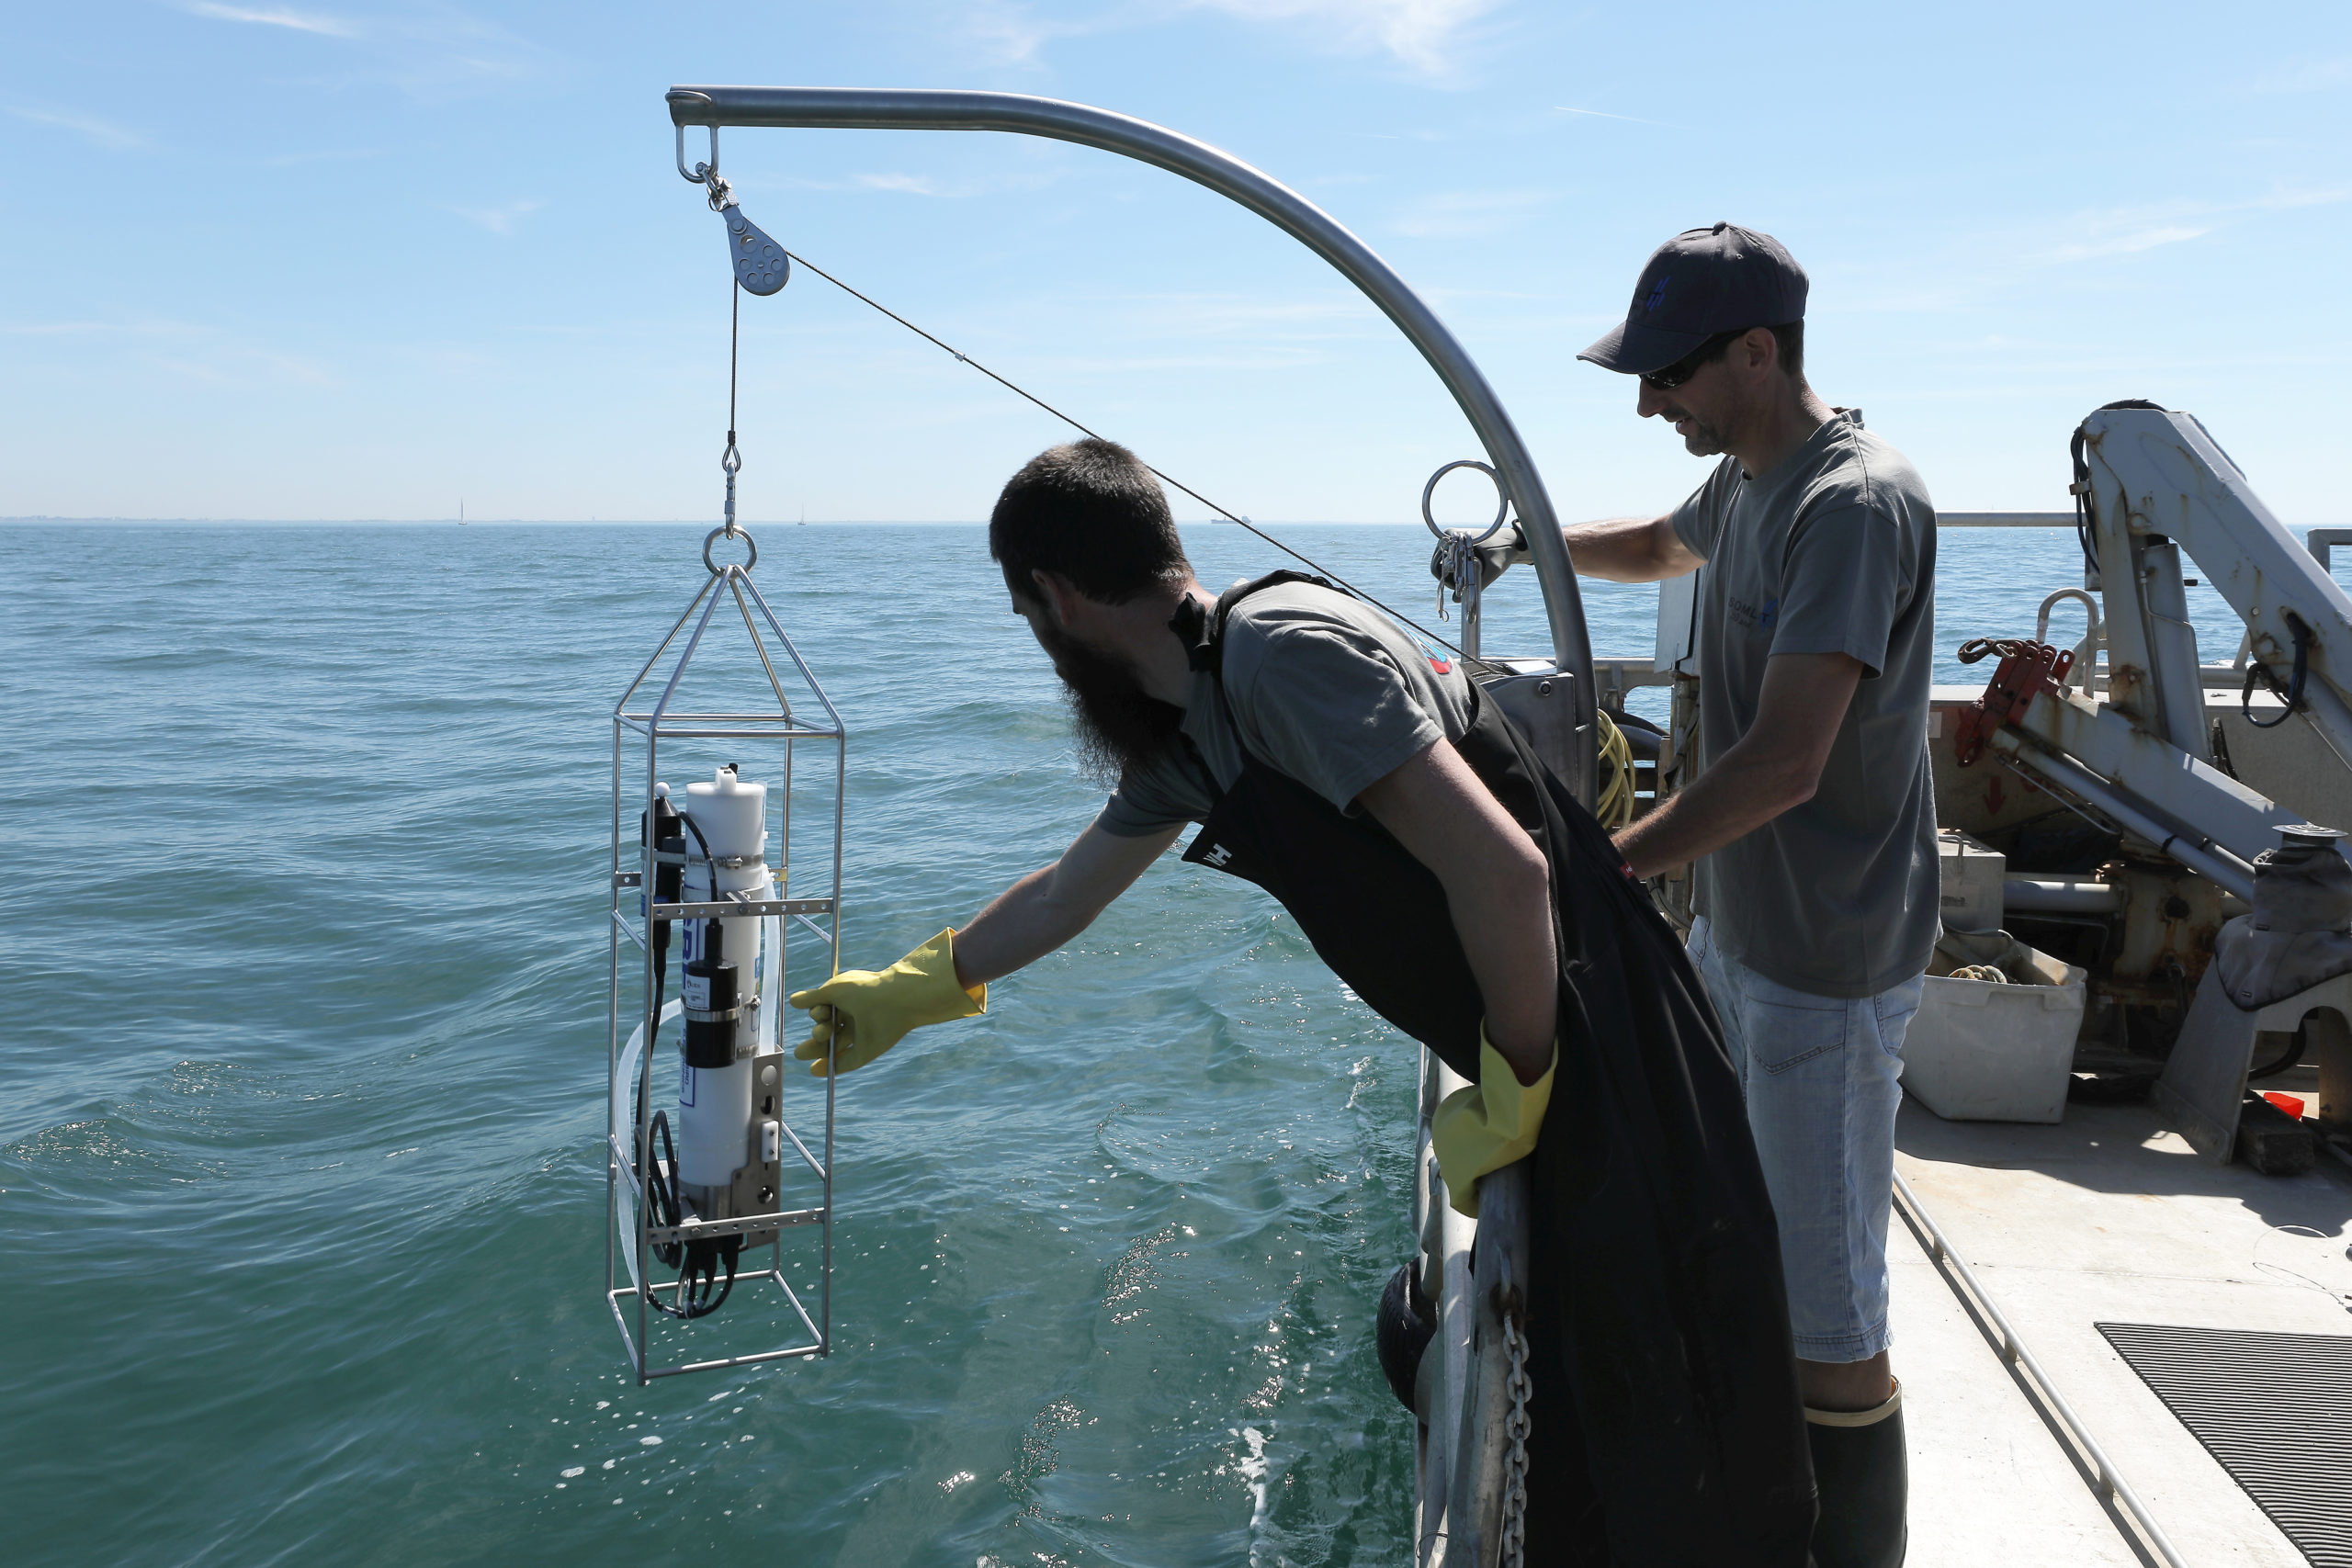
(338, 259)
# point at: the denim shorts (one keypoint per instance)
(1820, 1078)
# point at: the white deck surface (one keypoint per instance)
(2104, 1218)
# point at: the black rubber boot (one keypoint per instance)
(1864, 1480)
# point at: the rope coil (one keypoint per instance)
(1616, 808)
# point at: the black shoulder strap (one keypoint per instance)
(1203, 631)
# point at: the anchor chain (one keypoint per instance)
(1515, 1431)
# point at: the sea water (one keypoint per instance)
(301, 1196)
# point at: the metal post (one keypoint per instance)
(887, 108)
(612, 1045)
(641, 1090)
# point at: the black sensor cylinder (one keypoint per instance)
(713, 997)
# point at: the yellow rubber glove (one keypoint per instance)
(1488, 1124)
(864, 1012)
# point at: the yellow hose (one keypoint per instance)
(1616, 808)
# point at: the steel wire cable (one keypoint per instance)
(1177, 484)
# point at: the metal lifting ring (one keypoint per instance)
(717, 533)
(1503, 502)
(699, 170)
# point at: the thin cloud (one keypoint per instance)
(2014, 255)
(499, 219)
(2315, 77)
(891, 182)
(1604, 114)
(103, 133)
(2122, 232)
(294, 21)
(1007, 32)
(2130, 240)
(431, 53)
(909, 184)
(324, 155)
(96, 329)
(188, 349)
(1469, 214)
(1423, 34)
(1195, 316)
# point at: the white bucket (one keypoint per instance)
(1982, 1050)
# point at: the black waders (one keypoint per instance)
(1667, 1431)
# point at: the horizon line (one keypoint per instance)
(30, 518)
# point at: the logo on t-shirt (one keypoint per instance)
(1748, 614)
(1438, 661)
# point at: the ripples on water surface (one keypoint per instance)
(303, 1198)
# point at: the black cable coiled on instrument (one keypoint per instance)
(698, 1262)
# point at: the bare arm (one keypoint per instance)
(1498, 887)
(1047, 908)
(1777, 764)
(1629, 550)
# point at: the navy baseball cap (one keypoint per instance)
(1701, 282)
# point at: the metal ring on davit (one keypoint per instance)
(1502, 499)
(717, 534)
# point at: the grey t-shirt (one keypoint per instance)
(1322, 687)
(1834, 551)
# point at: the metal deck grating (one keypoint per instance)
(2274, 1409)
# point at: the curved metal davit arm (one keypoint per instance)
(895, 108)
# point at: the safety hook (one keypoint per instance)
(730, 463)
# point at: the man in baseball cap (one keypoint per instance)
(1700, 284)
(1811, 819)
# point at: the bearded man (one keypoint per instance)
(1463, 893)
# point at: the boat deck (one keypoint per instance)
(2105, 1217)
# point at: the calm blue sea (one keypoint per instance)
(304, 976)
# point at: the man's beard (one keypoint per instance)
(1704, 440)
(1117, 722)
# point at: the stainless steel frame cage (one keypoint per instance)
(629, 1104)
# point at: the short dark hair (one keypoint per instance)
(1790, 336)
(1092, 512)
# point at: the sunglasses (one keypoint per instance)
(1691, 364)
